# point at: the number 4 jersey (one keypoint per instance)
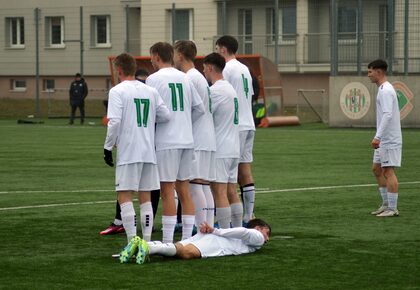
(133, 110)
(181, 98)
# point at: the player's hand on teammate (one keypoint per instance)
(205, 228)
(108, 157)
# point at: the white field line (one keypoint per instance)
(112, 201)
(56, 191)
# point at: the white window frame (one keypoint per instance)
(95, 31)
(18, 88)
(45, 86)
(349, 40)
(56, 45)
(190, 22)
(282, 38)
(18, 32)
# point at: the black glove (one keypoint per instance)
(108, 157)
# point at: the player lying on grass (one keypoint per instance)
(209, 242)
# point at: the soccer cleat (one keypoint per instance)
(113, 229)
(389, 213)
(381, 209)
(143, 252)
(130, 250)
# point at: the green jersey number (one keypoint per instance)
(236, 116)
(208, 93)
(245, 83)
(174, 88)
(142, 117)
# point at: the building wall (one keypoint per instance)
(156, 26)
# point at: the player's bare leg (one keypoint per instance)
(381, 180)
(168, 211)
(187, 252)
(223, 211)
(392, 194)
(128, 214)
(246, 182)
(236, 207)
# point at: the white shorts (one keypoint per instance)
(387, 157)
(204, 165)
(137, 177)
(246, 140)
(174, 164)
(227, 170)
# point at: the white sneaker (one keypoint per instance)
(389, 213)
(381, 209)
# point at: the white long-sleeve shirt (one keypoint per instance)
(388, 122)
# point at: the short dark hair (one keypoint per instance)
(187, 48)
(216, 60)
(164, 50)
(127, 63)
(258, 223)
(378, 64)
(78, 75)
(229, 42)
(141, 73)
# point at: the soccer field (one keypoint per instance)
(314, 187)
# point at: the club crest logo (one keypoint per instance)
(355, 100)
(405, 96)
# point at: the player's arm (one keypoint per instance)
(250, 237)
(385, 121)
(162, 112)
(114, 115)
(197, 105)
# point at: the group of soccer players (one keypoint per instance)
(177, 134)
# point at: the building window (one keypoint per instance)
(18, 85)
(245, 31)
(347, 23)
(100, 31)
(286, 26)
(48, 85)
(15, 32)
(183, 24)
(54, 31)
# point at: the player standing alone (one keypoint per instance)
(133, 110)
(387, 141)
(238, 75)
(174, 140)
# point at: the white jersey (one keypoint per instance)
(224, 242)
(133, 110)
(388, 122)
(203, 128)
(238, 75)
(226, 119)
(181, 98)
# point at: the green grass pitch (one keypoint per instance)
(314, 187)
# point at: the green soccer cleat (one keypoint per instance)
(143, 252)
(130, 250)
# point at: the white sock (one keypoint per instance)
(159, 248)
(146, 220)
(128, 216)
(223, 215)
(168, 228)
(118, 222)
(248, 193)
(200, 203)
(392, 200)
(384, 194)
(210, 204)
(187, 226)
(237, 212)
